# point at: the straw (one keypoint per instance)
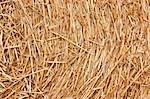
(74, 49)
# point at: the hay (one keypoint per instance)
(75, 49)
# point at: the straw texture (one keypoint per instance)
(74, 49)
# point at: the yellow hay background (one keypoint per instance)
(74, 49)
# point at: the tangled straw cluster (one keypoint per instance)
(75, 49)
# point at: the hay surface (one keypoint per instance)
(80, 49)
